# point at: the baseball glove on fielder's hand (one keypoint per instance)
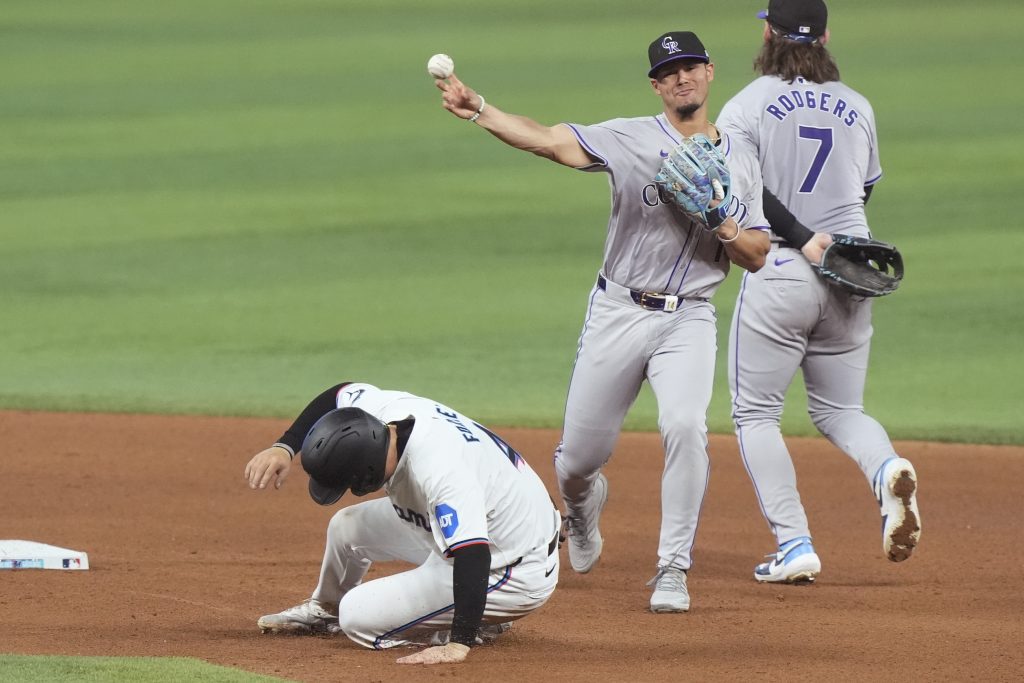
(862, 266)
(692, 176)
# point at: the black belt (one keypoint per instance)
(552, 548)
(652, 300)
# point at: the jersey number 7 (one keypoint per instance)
(824, 138)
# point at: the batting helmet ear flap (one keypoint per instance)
(346, 449)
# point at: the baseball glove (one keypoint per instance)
(862, 266)
(692, 176)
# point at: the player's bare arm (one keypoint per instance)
(270, 465)
(746, 248)
(551, 142)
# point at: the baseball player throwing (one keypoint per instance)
(462, 505)
(648, 315)
(818, 150)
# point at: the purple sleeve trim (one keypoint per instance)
(873, 180)
(587, 148)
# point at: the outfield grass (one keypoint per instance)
(224, 207)
(134, 669)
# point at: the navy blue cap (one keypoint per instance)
(798, 19)
(674, 45)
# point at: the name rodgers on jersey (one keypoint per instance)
(810, 99)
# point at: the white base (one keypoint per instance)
(32, 555)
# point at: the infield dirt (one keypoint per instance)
(185, 558)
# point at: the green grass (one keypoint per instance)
(224, 207)
(134, 669)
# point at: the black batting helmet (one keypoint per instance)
(346, 449)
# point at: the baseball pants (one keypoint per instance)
(787, 318)
(621, 345)
(410, 607)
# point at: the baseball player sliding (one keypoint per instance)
(818, 150)
(648, 315)
(461, 505)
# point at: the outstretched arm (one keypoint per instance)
(551, 142)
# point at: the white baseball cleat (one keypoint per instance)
(670, 593)
(585, 541)
(895, 487)
(311, 616)
(795, 562)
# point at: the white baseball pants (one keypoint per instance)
(410, 607)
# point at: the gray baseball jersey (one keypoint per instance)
(650, 247)
(817, 147)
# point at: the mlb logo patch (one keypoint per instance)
(447, 518)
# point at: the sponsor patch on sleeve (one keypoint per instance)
(447, 518)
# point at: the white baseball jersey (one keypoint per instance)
(652, 246)
(821, 180)
(459, 482)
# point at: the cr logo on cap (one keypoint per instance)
(670, 45)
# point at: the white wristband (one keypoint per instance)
(479, 111)
(733, 238)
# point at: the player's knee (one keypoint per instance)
(748, 410)
(580, 463)
(682, 424)
(575, 469)
(747, 419)
(825, 416)
(341, 526)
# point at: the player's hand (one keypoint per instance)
(452, 653)
(457, 97)
(270, 465)
(816, 246)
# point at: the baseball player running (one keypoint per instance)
(462, 505)
(818, 150)
(648, 315)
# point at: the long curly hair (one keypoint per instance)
(789, 59)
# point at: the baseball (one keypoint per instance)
(440, 66)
